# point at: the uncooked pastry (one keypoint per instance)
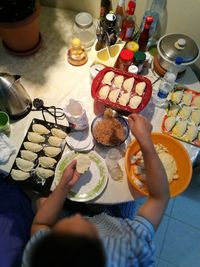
(19, 175)
(24, 165)
(83, 163)
(32, 146)
(39, 128)
(35, 137)
(28, 155)
(58, 133)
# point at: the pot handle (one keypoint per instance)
(17, 77)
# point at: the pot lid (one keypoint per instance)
(178, 45)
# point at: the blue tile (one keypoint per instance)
(160, 235)
(182, 245)
(162, 263)
(186, 207)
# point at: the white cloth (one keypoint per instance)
(6, 147)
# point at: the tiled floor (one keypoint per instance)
(178, 236)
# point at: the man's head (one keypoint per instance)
(72, 242)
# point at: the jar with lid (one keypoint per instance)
(139, 60)
(84, 29)
(76, 54)
(125, 59)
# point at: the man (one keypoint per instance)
(101, 240)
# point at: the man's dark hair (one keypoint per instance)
(67, 250)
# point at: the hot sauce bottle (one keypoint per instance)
(144, 36)
(128, 23)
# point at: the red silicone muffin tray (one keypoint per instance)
(97, 84)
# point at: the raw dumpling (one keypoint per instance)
(24, 165)
(19, 175)
(191, 133)
(196, 101)
(173, 110)
(28, 155)
(128, 84)
(118, 80)
(107, 79)
(114, 95)
(140, 87)
(124, 99)
(196, 117)
(104, 91)
(32, 146)
(180, 128)
(51, 151)
(43, 173)
(39, 128)
(55, 141)
(46, 162)
(83, 163)
(135, 101)
(35, 137)
(177, 96)
(58, 133)
(169, 123)
(185, 112)
(187, 98)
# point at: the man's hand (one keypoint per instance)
(70, 177)
(140, 128)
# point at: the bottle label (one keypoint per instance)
(129, 32)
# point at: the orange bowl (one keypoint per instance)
(177, 150)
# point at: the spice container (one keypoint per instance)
(125, 59)
(77, 55)
(84, 29)
(139, 60)
(132, 46)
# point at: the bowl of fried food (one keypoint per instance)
(110, 129)
(174, 158)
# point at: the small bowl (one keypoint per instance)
(177, 150)
(121, 120)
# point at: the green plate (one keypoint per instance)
(91, 184)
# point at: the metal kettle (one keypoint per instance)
(13, 97)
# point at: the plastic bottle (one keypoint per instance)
(157, 9)
(166, 86)
(125, 59)
(144, 36)
(128, 23)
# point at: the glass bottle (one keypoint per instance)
(144, 36)
(128, 23)
(105, 8)
(120, 13)
(157, 9)
(77, 55)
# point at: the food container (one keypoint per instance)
(179, 153)
(123, 109)
(171, 46)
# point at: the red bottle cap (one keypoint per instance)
(126, 55)
(131, 7)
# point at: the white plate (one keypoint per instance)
(91, 184)
(80, 140)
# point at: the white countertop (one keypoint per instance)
(48, 75)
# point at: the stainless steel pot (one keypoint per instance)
(13, 97)
(171, 46)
